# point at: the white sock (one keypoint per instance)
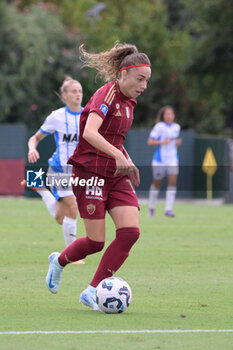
(153, 195)
(170, 197)
(69, 228)
(49, 200)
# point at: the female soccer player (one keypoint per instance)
(64, 124)
(164, 135)
(100, 154)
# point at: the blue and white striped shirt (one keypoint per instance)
(64, 124)
(166, 154)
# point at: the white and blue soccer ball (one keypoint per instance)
(113, 295)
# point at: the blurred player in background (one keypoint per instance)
(64, 124)
(165, 136)
(104, 122)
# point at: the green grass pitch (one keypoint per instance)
(180, 273)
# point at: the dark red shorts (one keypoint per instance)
(101, 194)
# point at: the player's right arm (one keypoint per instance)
(47, 128)
(153, 142)
(155, 137)
(33, 154)
(92, 136)
(99, 107)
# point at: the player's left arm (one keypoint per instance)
(178, 139)
(178, 142)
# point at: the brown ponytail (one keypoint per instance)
(109, 63)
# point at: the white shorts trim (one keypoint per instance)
(160, 170)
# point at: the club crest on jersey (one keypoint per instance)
(127, 112)
(91, 208)
(104, 109)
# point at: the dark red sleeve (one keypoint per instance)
(102, 100)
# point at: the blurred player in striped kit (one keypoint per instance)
(64, 124)
(165, 136)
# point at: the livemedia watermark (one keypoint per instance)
(39, 179)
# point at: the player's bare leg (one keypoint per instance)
(153, 196)
(47, 197)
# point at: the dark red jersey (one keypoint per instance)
(117, 112)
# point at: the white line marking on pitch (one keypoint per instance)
(122, 331)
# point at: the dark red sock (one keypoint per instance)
(116, 253)
(79, 249)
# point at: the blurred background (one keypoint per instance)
(189, 43)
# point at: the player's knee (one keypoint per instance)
(100, 246)
(95, 246)
(72, 212)
(59, 219)
(128, 236)
(73, 215)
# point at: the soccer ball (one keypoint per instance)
(113, 295)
